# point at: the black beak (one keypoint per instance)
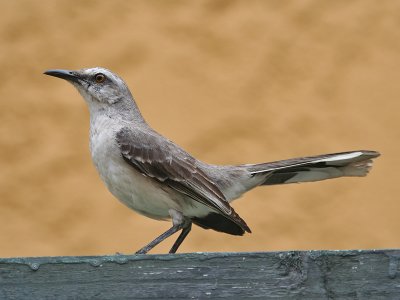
(64, 74)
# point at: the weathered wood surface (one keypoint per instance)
(284, 275)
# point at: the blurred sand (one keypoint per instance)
(231, 82)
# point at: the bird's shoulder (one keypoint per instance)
(146, 145)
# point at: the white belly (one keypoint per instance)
(135, 190)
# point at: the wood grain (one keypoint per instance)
(355, 274)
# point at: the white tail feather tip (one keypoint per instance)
(360, 168)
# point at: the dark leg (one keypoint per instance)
(162, 237)
(185, 231)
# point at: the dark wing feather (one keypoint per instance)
(158, 158)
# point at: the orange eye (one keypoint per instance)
(99, 77)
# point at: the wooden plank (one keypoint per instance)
(366, 274)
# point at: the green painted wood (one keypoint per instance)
(364, 274)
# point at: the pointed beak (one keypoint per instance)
(64, 74)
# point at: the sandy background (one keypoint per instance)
(231, 82)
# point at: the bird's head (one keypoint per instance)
(95, 85)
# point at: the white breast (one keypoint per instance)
(135, 190)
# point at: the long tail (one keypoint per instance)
(314, 168)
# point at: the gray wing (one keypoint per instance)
(162, 160)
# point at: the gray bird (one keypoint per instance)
(156, 178)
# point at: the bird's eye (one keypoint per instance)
(99, 77)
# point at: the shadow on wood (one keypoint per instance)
(364, 274)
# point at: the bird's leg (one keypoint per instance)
(179, 222)
(185, 231)
(159, 239)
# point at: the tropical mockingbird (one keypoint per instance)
(155, 177)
